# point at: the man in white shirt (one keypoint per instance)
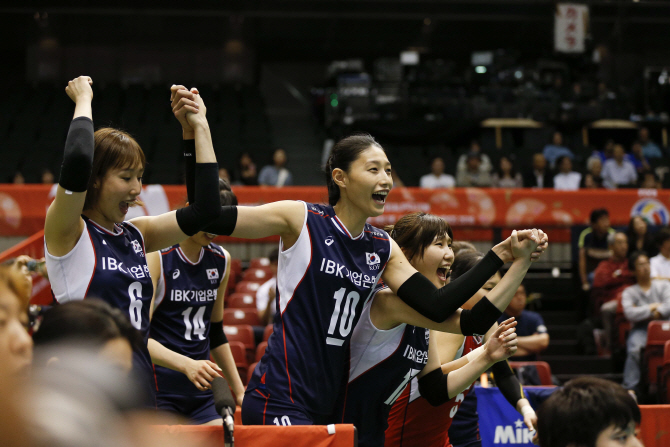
(617, 171)
(437, 178)
(566, 179)
(660, 264)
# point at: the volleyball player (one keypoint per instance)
(190, 281)
(415, 419)
(387, 354)
(329, 261)
(90, 250)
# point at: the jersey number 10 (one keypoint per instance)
(348, 315)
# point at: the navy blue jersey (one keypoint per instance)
(323, 281)
(382, 364)
(185, 296)
(111, 266)
(465, 424)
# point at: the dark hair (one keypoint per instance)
(633, 237)
(633, 258)
(662, 236)
(464, 262)
(597, 214)
(462, 247)
(273, 256)
(512, 171)
(415, 232)
(559, 162)
(226, 194)
(90, 321)
(577, 413)
(114, 149)
(345, 152)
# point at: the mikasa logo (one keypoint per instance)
(506, 434)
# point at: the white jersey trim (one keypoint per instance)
(160, 284)
(71, 274)
(293, 264)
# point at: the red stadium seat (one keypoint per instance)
(247, 287)
(268, 330)
(250, 372)
(242, 333)
(664, 376)
(260, 274)
(236, 268)
(260, 350)
(242, 301)
(543, 370)
(658, 332)
(233, 316)
(259, 262)
(239, 352)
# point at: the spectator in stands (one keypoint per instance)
(649, 148)
(554, 150)
(606, 153)
(265, 295)
(474, 175)
(16, 346)
(462, 165)
(593, 245)
(437, 178)
(637, 159)
(506, 176)
(617, 171)
(47, 177)
(539, 175)
(649, 180)
(246, 170)
(18, 178)
(643, 302)
(639, 237)
(588, 411)
(610, 278)
(532, 335)
(566, 179)
(660, 264)
(276, 174)
(224, 174)
(593, 179)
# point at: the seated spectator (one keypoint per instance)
(553, 151)
(643, 302)
(94, 324)
(593, 179)
(639, 237)
(462, 164)
(617, 171)
(437, 178)
(660, 264)
(47, 177)
(606, 153)
(18, 178)
(506, 176)
(588, 411)
(276, 174)
(16, 347)
(649, 148)
(649, 180)
(531, 332)
(246, 170)
(539, 175)
(637, 158)
(610, 278)
(593, 245)
(473, 174)
(566, 179)
(265, 295)
(224, 174)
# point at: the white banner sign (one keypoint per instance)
(570, 27)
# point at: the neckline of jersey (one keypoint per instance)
(343, 229)
(184, 258)
(118, 230)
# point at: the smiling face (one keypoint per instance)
(367, 182)
(435, 264)
(119, 189)
(202, 238)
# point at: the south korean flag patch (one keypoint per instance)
(212, 274)
(137, 247)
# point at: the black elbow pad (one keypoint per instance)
(78, 157)
(479, 319)
(433, 387)
(216, 335)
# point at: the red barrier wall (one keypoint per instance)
(655, 427)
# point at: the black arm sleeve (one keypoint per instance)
(216, 335)
(225, 223)
(433, 387)
(206, 206)
(507, 382)
(479, 319)
(78, 157)
(438, 304)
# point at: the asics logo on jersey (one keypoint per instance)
(137, 247)
(416, 355)
(212, 274)
(333, 268)
(193, 295)
(175, 274)
(329, 241)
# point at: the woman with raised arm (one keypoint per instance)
(90, 250)
(329, 262)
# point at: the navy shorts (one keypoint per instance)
(258, 408)
(199, 408)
